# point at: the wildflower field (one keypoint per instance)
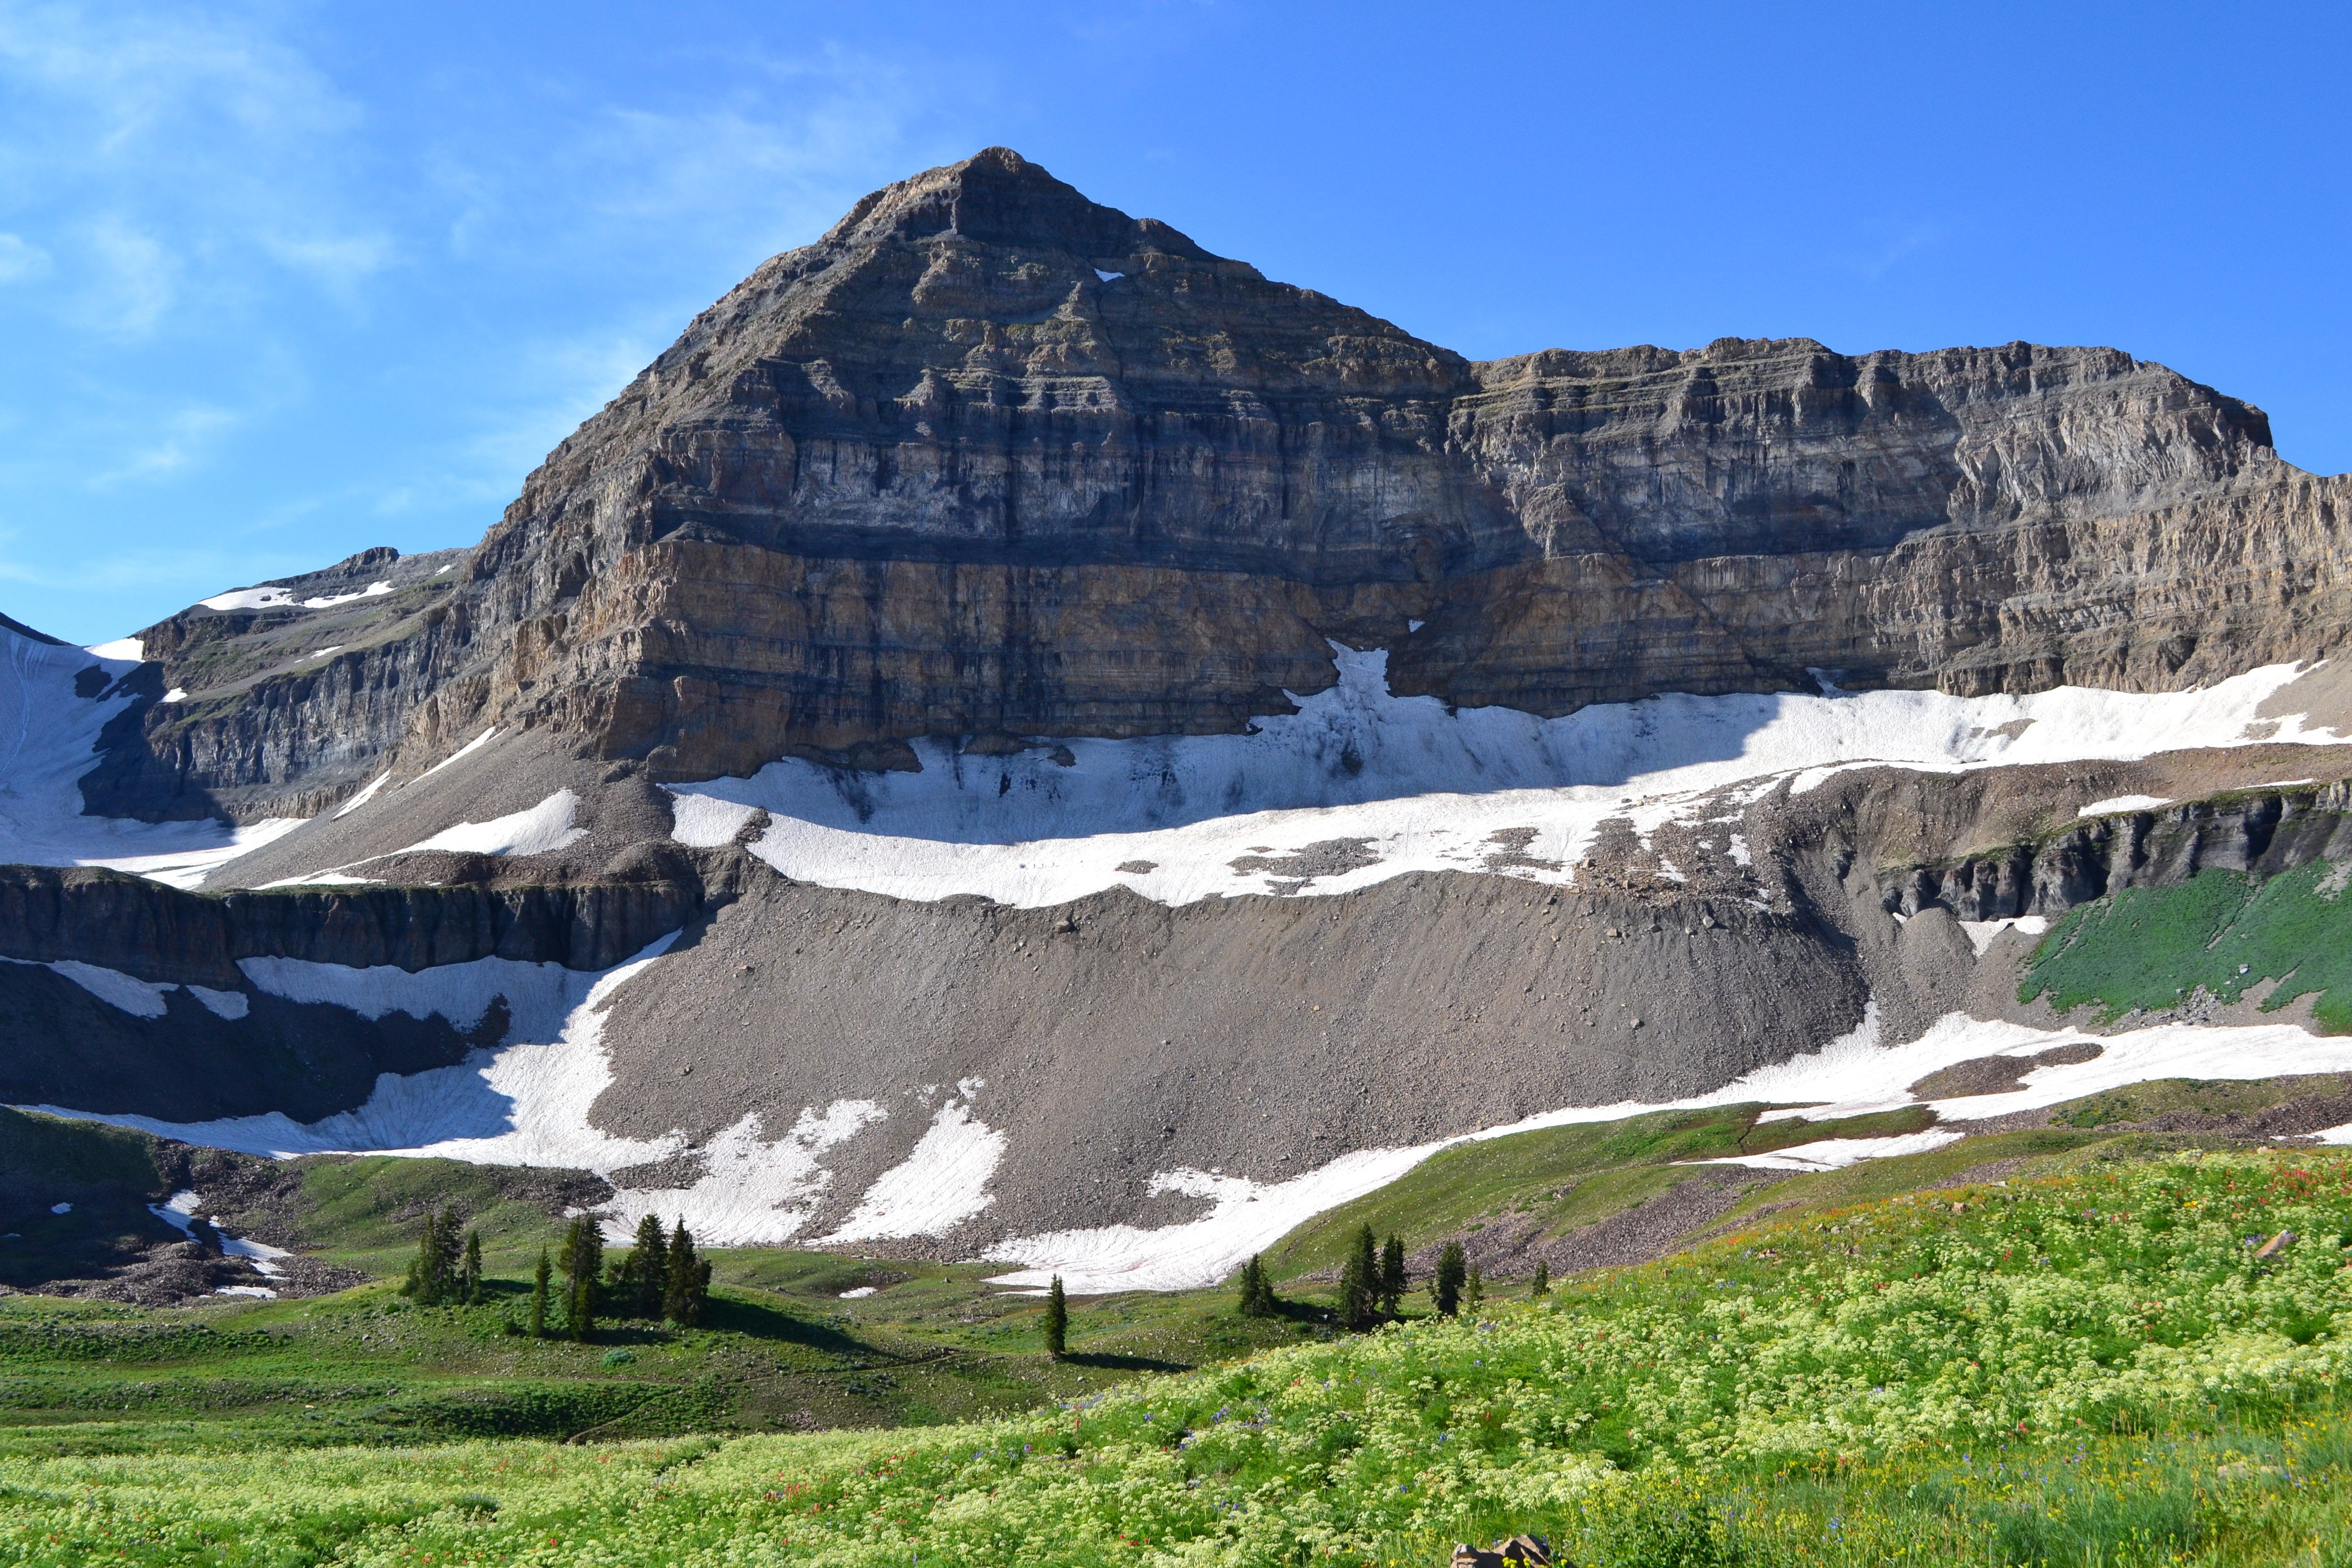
(2093, 1367)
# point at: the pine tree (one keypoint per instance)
(1258, 1300)
(647, 1277)
(582, 1262)
(1473, 1290)
(1445, 1284)
(539, 1294)
(1359, 1283)
(469, 1276)
(1392, 1277)
(434, 1279)
(1541, 1284)
(1057, 1321)
(684, 1280)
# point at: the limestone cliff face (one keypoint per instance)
(989, 459)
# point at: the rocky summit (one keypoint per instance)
(1019, 737)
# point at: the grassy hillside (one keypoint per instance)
(2093, 1366)
(2151, 947)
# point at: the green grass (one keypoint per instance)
(1559, 1178)
(2091, 1367)
(2150, 947)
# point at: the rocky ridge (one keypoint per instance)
(990, 460)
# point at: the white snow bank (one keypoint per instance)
(179, 1211)
(858, 1293)
(366, 793)
(129, 650)
(535, 831)
(318, 879)
(936, 1188)
(1426, 789)
(262, 1291)
(1851, 1075)
(177, 694)
(527, 1102)
(140, 998)
(460, 754)
(1836, 1153)
(48, 739)
(278, 598)
(61, 1208)
(1981, 932)
(2124, 802)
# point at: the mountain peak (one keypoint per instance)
(998, 197)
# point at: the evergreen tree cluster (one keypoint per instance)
(662, 1278)
(1371, 1281)
(448, 1269)
(1445, 1284)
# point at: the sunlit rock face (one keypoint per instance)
(990, 459)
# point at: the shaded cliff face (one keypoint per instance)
(990, 459)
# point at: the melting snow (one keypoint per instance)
(544, 827)
(937, 1187)
(1836, 1153)
(48, 739)
(2124, 802)
(1424, 787)
(460, 753)
(278, 598)
(858, 1294)
(1853, 1074)
(129, 650)
(366, 795)
(527, 1102)
(177, 694)
(1981, 932)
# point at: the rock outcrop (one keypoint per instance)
(990, 459)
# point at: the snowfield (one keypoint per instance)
(1421, 788)
(527, 1102)
(48, 739)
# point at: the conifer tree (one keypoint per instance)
(1392, 1277)
(583, 1263)
(434, 1278)
(1541, 1284)
(539, 1294)
(1473, 1290)
(647, 1277)
(469, 1275)
(1258, 1300)
(1359, 1283)
(1445, 1284)
(1057, 1321)
(686, 1283)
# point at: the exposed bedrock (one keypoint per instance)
(159, 933)
(1118, 1037)
(988, 457)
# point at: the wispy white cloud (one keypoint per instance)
(20, 260)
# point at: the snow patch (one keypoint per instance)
(49, 740)
(1109, 277)
(177, 694)
(460, 753)
(366, 795)
(129, 649)
(536, 831)
(1981, 932)
(2124, 802)
(936, 1188)
(1836, 1153)
(1852, 1075)
(139, 998)
(857, 1294)
(1423, 787)
(61, 1208)
(230, 1005)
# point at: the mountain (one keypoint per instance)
(1018, 735)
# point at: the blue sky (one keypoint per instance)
(280, 281)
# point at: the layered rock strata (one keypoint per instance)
(989, 459)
